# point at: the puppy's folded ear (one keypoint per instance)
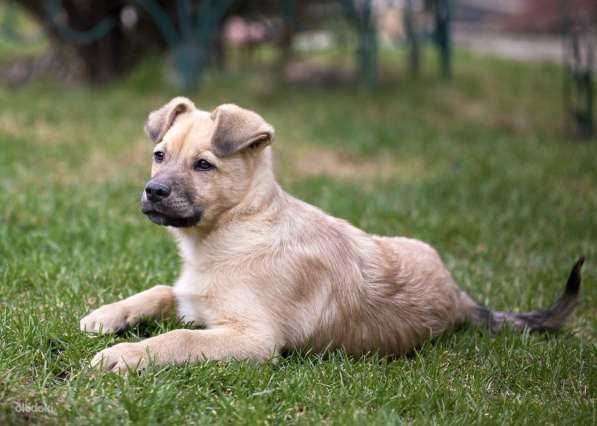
(161, 120)
(237, 128)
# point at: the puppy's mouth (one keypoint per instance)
(166, 219)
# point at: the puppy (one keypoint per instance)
(264, 272)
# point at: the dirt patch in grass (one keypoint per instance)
(308, 162)
(102, 165)
(54, 142)
(16, 125)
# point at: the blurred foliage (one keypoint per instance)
(20, 35)
(110, 37)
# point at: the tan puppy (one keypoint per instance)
(263, 271)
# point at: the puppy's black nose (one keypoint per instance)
(157, 191)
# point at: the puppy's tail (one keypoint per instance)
(550, 319)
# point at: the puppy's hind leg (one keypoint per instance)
(151, 303)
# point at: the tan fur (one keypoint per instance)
(263, 271)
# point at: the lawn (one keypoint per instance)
(479, 167)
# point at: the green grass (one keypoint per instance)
(479, 167)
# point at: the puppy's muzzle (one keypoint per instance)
(163, 206)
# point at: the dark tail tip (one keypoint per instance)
(575, 278)
(543, 320)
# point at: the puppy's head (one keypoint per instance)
(203, 162)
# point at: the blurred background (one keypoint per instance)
(321, 43)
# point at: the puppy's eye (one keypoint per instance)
(159, 156)
(202, 165)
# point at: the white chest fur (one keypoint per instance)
(216, 284)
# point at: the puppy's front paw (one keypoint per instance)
(122, 357)
(107, 319)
